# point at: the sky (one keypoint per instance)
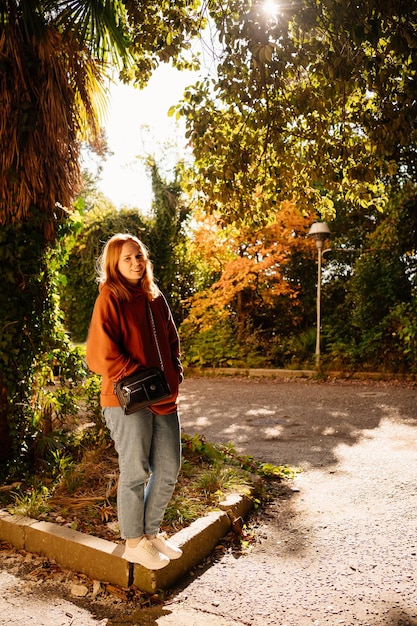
(137, 125)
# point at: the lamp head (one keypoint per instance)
(319, 231)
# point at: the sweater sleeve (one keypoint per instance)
(104, 353)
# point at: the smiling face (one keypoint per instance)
(132, 263)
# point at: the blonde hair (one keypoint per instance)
(108, 273)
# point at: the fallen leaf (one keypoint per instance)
(79, 591)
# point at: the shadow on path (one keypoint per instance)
(291, 422)
(342, 549)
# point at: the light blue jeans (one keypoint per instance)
(149, 450)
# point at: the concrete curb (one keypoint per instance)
(303, 374)
(250, 373)
(102, 560)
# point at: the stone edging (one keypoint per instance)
(102, 560)
(211, 372)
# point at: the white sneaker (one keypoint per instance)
(165, 547)
(145, 554)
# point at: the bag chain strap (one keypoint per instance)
(156, 338)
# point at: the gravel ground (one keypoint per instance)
(339, 546)
(342, 550)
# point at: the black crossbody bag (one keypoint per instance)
(145, 386)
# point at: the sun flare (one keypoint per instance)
(270, 8)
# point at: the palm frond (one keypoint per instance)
(101, 24)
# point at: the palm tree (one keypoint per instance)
(52, 67)
(51, 74)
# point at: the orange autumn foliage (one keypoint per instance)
(251, 264)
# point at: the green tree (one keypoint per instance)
(167, 238)
(80, 289)
(162, 232)
(370, 292)
(317, 105)
(54, 55)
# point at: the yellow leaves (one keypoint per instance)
(365, 195)
(262, 53)
(174, 110)
(325, 206)
(392, 167)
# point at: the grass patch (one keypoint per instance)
(83, 496)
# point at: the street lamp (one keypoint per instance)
(319, 231)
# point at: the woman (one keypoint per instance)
(148, 442)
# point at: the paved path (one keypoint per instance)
(344, 549)
(341, 550)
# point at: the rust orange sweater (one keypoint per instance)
(121, 339)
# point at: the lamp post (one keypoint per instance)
(319, 231)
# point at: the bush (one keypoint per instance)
(79, 290)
